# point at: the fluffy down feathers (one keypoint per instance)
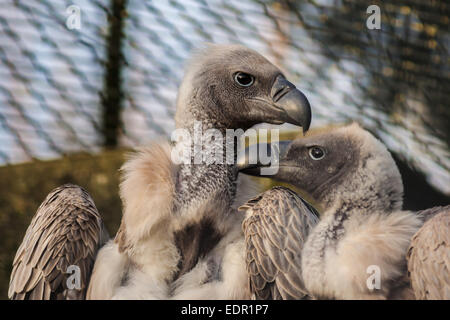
(143, 259)
(144, 242)
(339, 269)
(358, 185)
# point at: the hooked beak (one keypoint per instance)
(255, 157)
(286, 104)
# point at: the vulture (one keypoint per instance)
(363, 233)
(180, 234)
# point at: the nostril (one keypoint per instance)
(280, 88)
(280, 93)
(277, 93)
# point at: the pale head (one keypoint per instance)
(342, 164)
(231, 86)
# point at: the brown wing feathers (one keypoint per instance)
(66, 230)
(429, 258)
(275, 229)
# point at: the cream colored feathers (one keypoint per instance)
(143, 254)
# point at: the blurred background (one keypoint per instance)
(72, 100)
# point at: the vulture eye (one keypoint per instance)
(316, 153)
(243, 79)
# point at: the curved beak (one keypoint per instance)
(284, 104)
(286, 97)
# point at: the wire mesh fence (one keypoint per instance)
(113, 80)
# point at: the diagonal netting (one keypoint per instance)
(394, 81)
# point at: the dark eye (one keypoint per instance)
(244, 79)
(316, 153)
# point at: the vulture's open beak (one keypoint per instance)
(286, 104)
(257, 157)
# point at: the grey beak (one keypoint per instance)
(261, 155)
(296, 107)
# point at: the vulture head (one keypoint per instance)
(232, 87)
(342, 163)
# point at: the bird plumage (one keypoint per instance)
(143, 259)
(276, 227)
(66, 230)
(143, 246)
(179, 218)
(429, 256)
(362, 226)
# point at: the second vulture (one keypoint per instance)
(362, 230)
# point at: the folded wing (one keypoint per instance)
(276, 226)
(60, 243)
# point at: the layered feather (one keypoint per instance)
(66, 231)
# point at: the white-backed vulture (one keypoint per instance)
(66, 231)
(180, 228)
(362, 230)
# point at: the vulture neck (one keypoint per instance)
(199, 181)
(203, 203)
(352, 202)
